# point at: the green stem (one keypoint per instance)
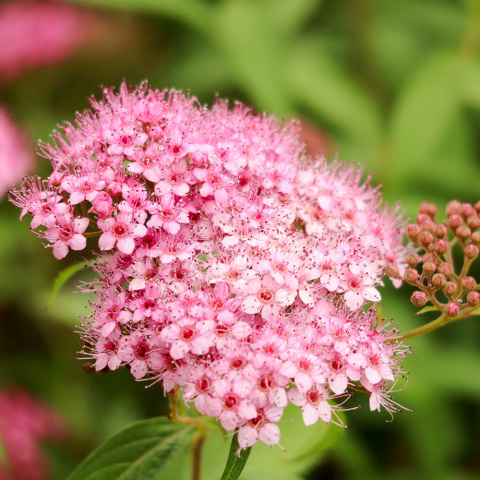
(198, 442)
(443, 319)
(174, 416)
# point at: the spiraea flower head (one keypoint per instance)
(15, 157)
(24, 424)
(232, 265)
(35, 33)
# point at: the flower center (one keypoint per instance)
(266, 295)
(120, 230)
(140, 351)
(231, 401)
(188, 333)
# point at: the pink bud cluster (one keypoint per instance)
(15, 157)
(35, 33)
(24, 423)
(233, 266)
(439, 281)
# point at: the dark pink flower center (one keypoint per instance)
(237, 363)
(266, 383)
(266, 295)
(231, 401)
(140, 351)
(120, 230)
(314, 396)
(188, 333)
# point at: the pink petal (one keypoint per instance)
(270, 434)
(126, 245)
(106, 241)
(252, 304)
(60, 250)
(247, 436)
(309, 415)
(77, 242)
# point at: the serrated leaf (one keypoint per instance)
(140, 451)
(62, 277)
(235, 463)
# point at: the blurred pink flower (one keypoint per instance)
(15, 157)
(34, 33)
(24, 422)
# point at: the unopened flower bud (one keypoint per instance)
(463, 232)
(471, 251)
(425, 238)
(412, 232)
(450, 288)
(453, 208)
(475, 237)
(445, 268)
(412, 259)
(102, 204)
(410, 275)
(89, 367)
(468, 283)
(392, 271)
(455, 221)
(467, 210)
(427, 226)
(440, 231)
(423, 218)
(440, 247)
(452, 309)
(56, 178)
(419, 299)
(473, 299)
(429, 257)
(114, 189)
(439, 280)
(429, 209)
(429, 268)
(473, 221)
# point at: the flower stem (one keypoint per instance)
(428, 327)
(198, 442)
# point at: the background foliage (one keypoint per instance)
(391, 84)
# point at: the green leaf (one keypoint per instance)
(429, 308)
(422, 118)
(139, 451)
(62, 277)
(235, 463)
(194, 13)
(254, 50)
(319, 81)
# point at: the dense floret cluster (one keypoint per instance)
(232, 266)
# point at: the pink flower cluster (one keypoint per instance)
(15, 157)
(233, 266)
(34, 33)
(24, 423)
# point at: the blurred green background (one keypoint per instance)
(391, 84)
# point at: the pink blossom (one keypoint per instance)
(230, 267)
(34, 33)
(25, 423)
(15, 157)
